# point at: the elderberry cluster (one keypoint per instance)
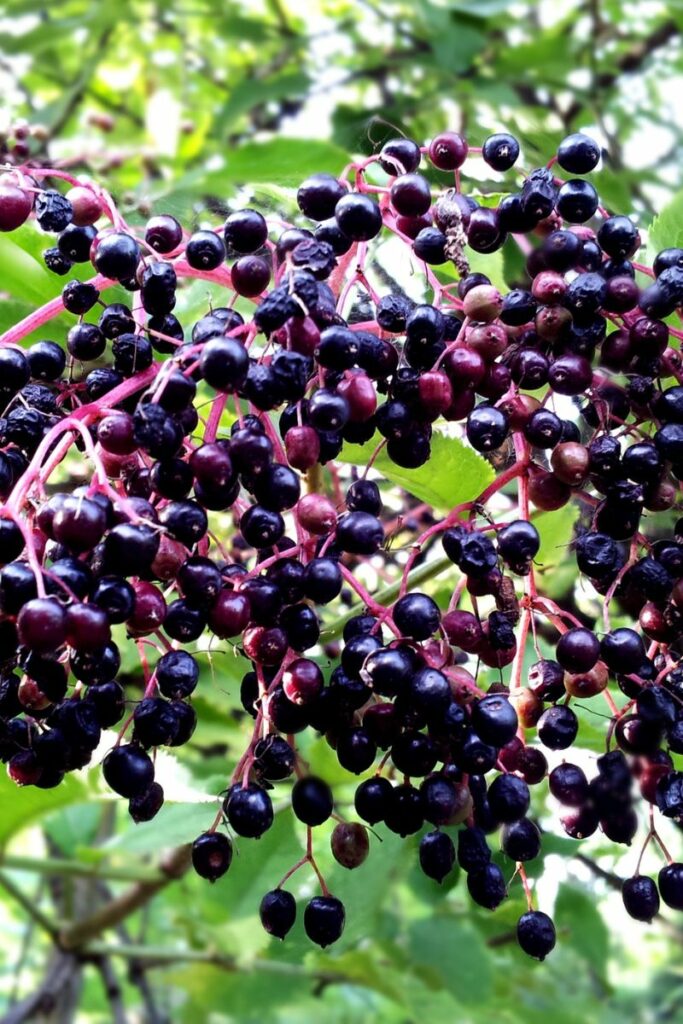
(237, 522)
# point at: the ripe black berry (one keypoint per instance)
(536, 934)
(278, 912)
(211, 855)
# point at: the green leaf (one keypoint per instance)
(666, 229)
(249, 93)
(454, 474)
(22, 807)
(282, 161)
(22, 276)
(576, 914)
(556, 530)
(452, 955)
(175, 824)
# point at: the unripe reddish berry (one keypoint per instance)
(617, 351)
(436, 393)
(316, 513)
(529, 708)
(653, 621)
(304, 335)
(518, 409)
(230, 614)
(169, 558)
(509, 754)
(31, 696)
(488, 340)
(358, 390)
(302, 681)
(350, 844)
(115, 434)
(462, 684)
(24, 769)
(448, 151)
(546, 491)
(548, 287)
(483, 303)
(15, 206)
(663, 497)
(587, 684)
(302, 446)
(463, 630)
(266, 645)
(87, 627)
(570, 462)
(552, 322)
(462, 405)
(149, 610)
(117, 466)
(86, 206)
(465, 367)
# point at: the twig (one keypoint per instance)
(80, 869)
(112, 990)
(56, 992)
(162, 956)
(78, 933)
(29, 906)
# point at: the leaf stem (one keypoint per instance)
(80, 869)
(29, 906)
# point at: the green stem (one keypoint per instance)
(390, 593)
(79, 869)
(161, 955)
(28, 905)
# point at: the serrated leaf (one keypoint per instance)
(454, 474)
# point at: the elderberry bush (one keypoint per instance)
(568, 385)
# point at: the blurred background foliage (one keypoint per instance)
(176, 106)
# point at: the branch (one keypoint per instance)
(76, 934)
(112, 990)
(29, 906)
(80, 86)
(135, 969)
(80, 869)
(162, 956)
(631, 61)
(53, 995)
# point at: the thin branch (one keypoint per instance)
(78, 933)
(136, 971)
(112, 990)
(56, 990)
(80, 869)
(162, 956)
(29, 905)
(630, 61)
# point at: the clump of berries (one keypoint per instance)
(569, 383)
